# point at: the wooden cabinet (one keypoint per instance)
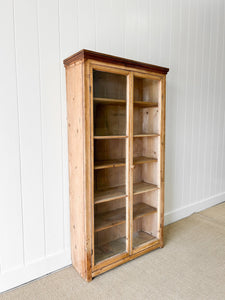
(116, 133)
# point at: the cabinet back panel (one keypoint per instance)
(148, 146)
(146, 120)
(109, 177)
(149, 224)
(146, 89)
(148, 172)
(109, 119)
(110, 234)
(109, 85)
(109, 149)
(150, 198)
(110, 205)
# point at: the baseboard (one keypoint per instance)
(185, 211)
(26, 273)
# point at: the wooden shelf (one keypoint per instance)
(145, 135)
(143, 187)
(109, 219)
(145, 104)
(112, 163)
(143, 160)
(123, 101)
(109, 101)
(109, 194)
(142, 237)
(141, 209)
(104, 137)
(110, 249)
(118, 216)
(114, 193)
(118, 246)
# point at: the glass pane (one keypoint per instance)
(110, 132)
(146, 154)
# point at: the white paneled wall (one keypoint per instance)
(36, 35)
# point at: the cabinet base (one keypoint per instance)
(116, 263)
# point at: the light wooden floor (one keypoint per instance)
(190, 266)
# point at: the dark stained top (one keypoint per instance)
(87, 54)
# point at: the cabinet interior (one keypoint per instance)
(112, 200)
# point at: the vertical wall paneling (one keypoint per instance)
(131, 46)
(115, 20)
(86, 22)
(221, 76)
(194, 100)
(29, 128)
(186, 36)
(202, 33)
(155, 20)
(50, 90)
(11, 214)
(142, 30)
(67, 11)
(102, 25)
(215, 112)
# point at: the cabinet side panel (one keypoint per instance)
(75, 116)
(162, 159)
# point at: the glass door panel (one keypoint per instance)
(146, 159)
(110, 136)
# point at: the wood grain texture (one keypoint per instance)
(77, 171)
(118, 216)
(87, 54)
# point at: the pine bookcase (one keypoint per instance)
(116, 136)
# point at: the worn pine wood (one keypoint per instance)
(77, 171)
(139, 135)
(118, 216)
(111, 163)
(162, 160)
(143, 187)
(118, 246)
(145, 104)
(105, 137)
(109, 101)
(105, 58)
(109, 194)
(116, 261)
(116, 131)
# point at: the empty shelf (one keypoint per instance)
(146, 135)
(143, 160)
(145, 104)
(118, 246)
(109, 101)
(118, 216)
(143, 187)
(141, 237)
(110, 249)
(141, 209)
(110, 219)
(102, 137)
(109, 194)
(104, 164)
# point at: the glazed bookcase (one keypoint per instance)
(116, 134)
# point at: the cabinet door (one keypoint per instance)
(111, 164)
(147, 95)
